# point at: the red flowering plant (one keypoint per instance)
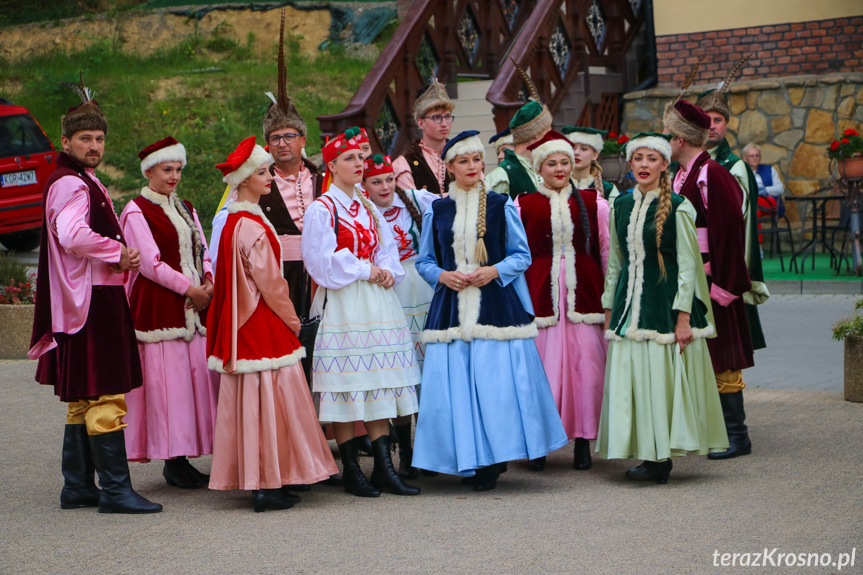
(614, 144)
(850, 144)
(17, 286)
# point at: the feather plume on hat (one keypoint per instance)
(282, 113)
(85, 116)
(534, 117)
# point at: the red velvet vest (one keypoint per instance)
(536, 217)
(358, 234)
(158, 312)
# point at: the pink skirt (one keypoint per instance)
(267, 433)
(573, 355)
(174, 413)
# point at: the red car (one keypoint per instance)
(26, 161)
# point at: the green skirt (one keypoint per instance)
(659, 403)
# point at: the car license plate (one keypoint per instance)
(18, 179)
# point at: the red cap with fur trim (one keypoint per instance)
(243, 162)
(551, 135)
(166, 150)
(693, 114)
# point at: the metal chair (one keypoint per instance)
(772, 217)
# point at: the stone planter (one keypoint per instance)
(17, 322)
(852, 167)
(854, 368)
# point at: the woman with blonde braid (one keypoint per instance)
(486, 399)
(172, 416)
(660, 398)
(586, 171)
(567, 230)
(365, 368)
(402, 211)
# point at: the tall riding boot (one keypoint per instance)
(117, 496)
(79, 489)
(384, 475)
(735, 425)
(406, 452)
(352, 474)
(581, 455)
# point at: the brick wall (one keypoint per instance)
(818, 47)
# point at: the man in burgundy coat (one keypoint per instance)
(719, 223)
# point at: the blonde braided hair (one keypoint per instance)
(371, 208)
(662, 211)
(480, 253)
(596, 173)
(198, 248)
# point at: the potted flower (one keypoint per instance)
(17, 295)
(612, 157)
(851, 331)
(847, 151)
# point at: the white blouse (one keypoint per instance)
(404, 229)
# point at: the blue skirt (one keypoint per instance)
(484, 402)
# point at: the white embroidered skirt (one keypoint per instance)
(415, 295)
(364, 366)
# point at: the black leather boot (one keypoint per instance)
(384, 475)
(486, 478)
(177, 474)
(79, 489)
(537, 464)
(117, 495)
(651, 471)
(263, 499)
(352, 474)
(364, 445)
(735, 425)
(200, 476)
(333, 481)
(406, 452)
(294, 499)
(581, 457)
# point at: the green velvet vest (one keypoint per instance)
(520, 180)
(655, 295)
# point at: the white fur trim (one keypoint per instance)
(187, 268)
(541, 153)
(258, 157)
(661, 338)
(175, 153)
(656, 143)
(466, 146)
(255, 365)
(503, 141)
(592, 140)
(470, 298)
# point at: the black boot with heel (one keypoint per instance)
(384, 475)
(352, 474)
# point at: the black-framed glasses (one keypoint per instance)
(438, 119)
(288, 138)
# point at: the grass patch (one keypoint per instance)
(209, 98)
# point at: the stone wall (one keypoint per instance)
(793, 120)
(819, 47)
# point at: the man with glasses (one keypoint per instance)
(420, 166)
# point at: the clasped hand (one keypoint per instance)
(457, 281)
(382, 277)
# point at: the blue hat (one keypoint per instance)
(464, 143)
(500, 135)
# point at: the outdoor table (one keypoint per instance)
(818, 205)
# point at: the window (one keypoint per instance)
(20, 136)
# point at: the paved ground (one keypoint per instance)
(799, 492)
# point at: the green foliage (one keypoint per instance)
(850, 326)
(208, 99)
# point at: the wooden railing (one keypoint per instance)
(560, 43)
(442, 38)
(557, 41)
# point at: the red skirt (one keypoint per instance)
(102, 358)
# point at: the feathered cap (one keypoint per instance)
(466, 142)
(587, 136)
(652, 141)
(552, 143)
(684, 119)
(282, 113)
(85, 116)
(377, 165)
(243, 162)
(533, 118)
(716, 100)
(430, 97)
(167, 150)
